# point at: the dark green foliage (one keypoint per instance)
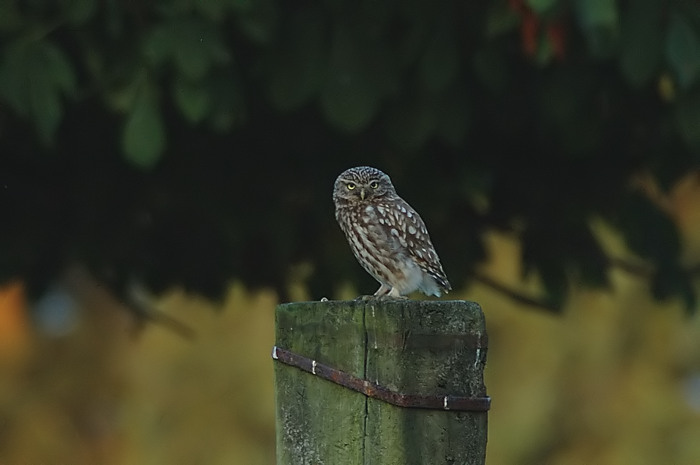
(190, 142)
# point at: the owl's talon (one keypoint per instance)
(383, 297)
(392, 297)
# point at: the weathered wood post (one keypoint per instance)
(380, 382)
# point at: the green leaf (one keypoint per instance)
(121, 98)
(672, 281)
(671, 161)
(348, 98)
(193, 99)
(599, 21)
(501, 19)
(13, 83)
(46, 107)
(688, 118)
(257, 20)
(158, 45)
(34, 77)
(683, 50)
(380, 57)
(214, 10)
(454, 117)
(648, 231)
(541, 6)
(10, 18)
(144, 132)
(54, 62)
(543, 255)
(491, 67)
(641, 41)
(556, 284)
(79, 11)
(199, 45)
(192, 44)
(587, 255)
(545, 50)
(411, 122)
(228, 108)
(298, 63)
(597, 13)
(241, 5)
(440, 63)
(411, 42)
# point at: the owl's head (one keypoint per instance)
(363, 183)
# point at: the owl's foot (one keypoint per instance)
(385, 297)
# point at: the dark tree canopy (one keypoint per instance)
(193, 141)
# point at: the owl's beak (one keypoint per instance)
(362, 194)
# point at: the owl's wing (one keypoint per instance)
(414, 236)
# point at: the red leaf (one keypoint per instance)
(557, 37)
(529, 30)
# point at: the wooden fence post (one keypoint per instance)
(380, 382)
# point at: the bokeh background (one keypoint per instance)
(166, 170)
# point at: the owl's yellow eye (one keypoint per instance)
(351, 186)
(374, 184)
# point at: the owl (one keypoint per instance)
(386, 235)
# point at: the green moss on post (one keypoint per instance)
(429, 348)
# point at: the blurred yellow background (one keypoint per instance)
(615, 379)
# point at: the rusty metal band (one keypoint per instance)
(375, 391)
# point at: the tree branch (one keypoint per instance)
(515, 295)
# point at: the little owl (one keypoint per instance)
(386, 235)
